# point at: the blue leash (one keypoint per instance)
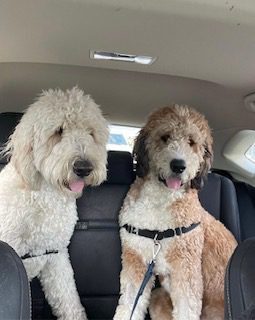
(148, 274)
(146, 279)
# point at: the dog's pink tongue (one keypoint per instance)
(173, 183)
(77, 186)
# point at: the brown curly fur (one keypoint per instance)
(191, 266)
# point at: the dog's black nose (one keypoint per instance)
(177, 165)
(82, 168)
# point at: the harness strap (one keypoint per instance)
(30, 255)
(159, 235)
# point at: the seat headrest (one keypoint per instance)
(8, 121)
(120, 168)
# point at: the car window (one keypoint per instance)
(122, 138)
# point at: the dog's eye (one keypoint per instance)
(191, 142)
(165, 137)
(60, 131)
(91, 133)
(207, 152)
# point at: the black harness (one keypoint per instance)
(159, 235)
(156, 236)
(30, 255)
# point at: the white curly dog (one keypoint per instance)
(57, 149)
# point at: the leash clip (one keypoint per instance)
(156, 248)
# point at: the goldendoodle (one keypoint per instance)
(162, 212)
(57, 149)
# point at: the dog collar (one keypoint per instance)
(159, 235)
(30, 255)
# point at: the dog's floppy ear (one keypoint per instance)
(20, 150)
(140, 154)
(198, 181)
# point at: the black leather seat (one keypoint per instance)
(246, 203)
(95, 246)
(14, 286)
(219, 198)
(240, 283)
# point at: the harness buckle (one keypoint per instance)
(178, 231)
(133, 230)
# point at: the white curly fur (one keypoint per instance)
(37, 206)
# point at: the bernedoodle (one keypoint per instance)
(162, 212)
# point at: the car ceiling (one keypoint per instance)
(205, 56)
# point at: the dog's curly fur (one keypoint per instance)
(191, 266)
(37, 197)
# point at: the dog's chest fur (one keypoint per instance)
(35, 221)
(152, 206)
(52, 220)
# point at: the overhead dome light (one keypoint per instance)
(114, 56)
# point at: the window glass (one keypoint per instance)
(250, 153)
(122, 138)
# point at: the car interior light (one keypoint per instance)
(114, 56)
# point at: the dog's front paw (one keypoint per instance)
(122, 313)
